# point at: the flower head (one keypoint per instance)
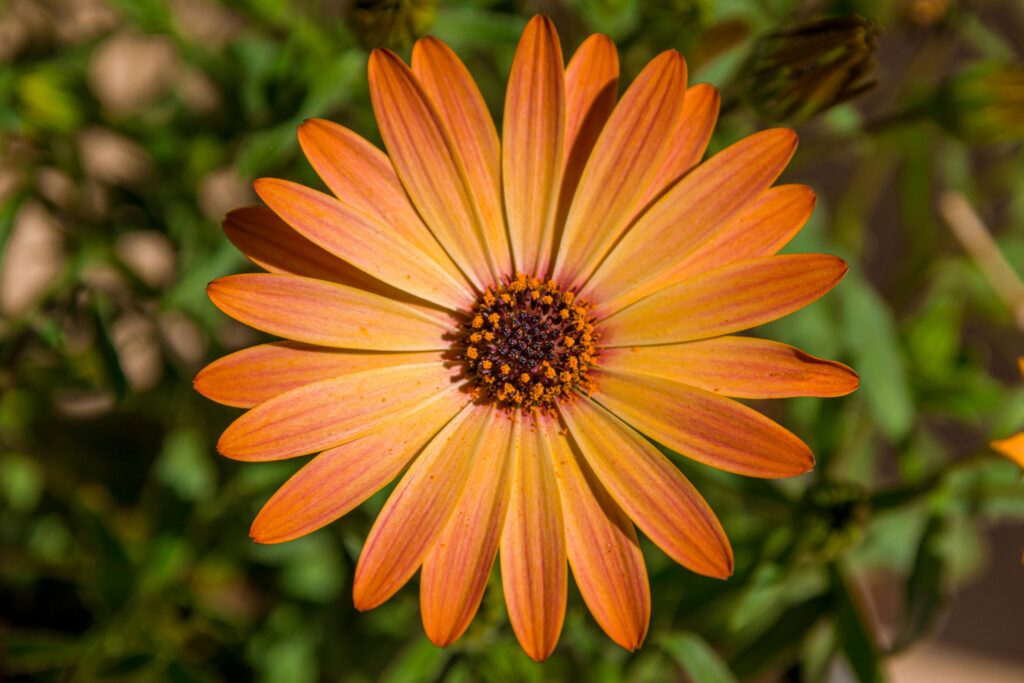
(503, 318)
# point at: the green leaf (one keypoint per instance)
(420, 662)
(927, 585)
(856, 641)
(698, 659)
(781, 640)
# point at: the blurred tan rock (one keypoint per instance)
(80, 20)
(205, 22)
(223, 190)
(33, 257)
(148, 254)
(138, 350)
(10, 181)
(128, 71)
(56, 186)
(184, 337)
(112, 158)
(22, 23)
(197, 91)
(83, 405)
(105, 278)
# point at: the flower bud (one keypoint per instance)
(391, 23)
(983, 103)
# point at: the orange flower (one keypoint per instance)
(503, 318)
(1012, 447)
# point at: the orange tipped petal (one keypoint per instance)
(317, 312)
(360, 239)
(532, 137)
(625, 160)
(461, 107)
(1012, 448)
(732, 298)
(456, 569)
(687, 144)
(687, 214)
(534, 574)
(429, 165)
(418, 509)
(651, 490)
(362, 177)
(603, 550)
(742, 367)
(259, 373)
(337, 480)
(703, 426)
(334, 411)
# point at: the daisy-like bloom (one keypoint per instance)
(504, 319)
(1012, 447)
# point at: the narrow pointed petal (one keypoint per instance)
(334, 411)
(274, 246)
(317, 312)
(650, 489)
(461, 107)
(259, 373)
(429, 166)
(339, 479)
(687, 214)
(360, 239)
(625, 159)
(1012, 448)
(702, 426)
(533, 137)
(361, 176)
(733, 298)
(533, 561)
(456, 569)
(741, 367)
(687, 144)
(418, 509)
(603, 550)
(762, 229)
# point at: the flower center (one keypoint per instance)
(528, 343)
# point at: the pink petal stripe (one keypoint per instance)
(461, 107)
(259, 373)
(362, 240)
(419, 507)
(686, 215)
(533, 561)
(362, 177)
(334, 411)
(603, 549)
(705, 427)
(456, 569)
(532, 138)
(337, 480)
(625, 159)
(429, 165)
(656, 495)
(742, 367)
(317, 312)
(732, 298)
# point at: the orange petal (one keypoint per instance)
(652, 491)
(742, 367)
(733, 298)
(532, 138)
(687, 144)
(1012, 448)
(764, 227)
(705, 427)
(419, 507)
(429, 165)
(686, 215)
(334, 411)
(274, 246)
(336, 481)
(625, 159)
(461, 107)
(259, 373)
(362, 177)
(533, 562)
(360, 239)
(456, 569)
(603, 550)
(318, 312)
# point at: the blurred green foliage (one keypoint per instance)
(128, 128)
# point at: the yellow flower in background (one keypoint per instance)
(1012, 447)
(504, 318)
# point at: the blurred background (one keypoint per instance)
(129, 127)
